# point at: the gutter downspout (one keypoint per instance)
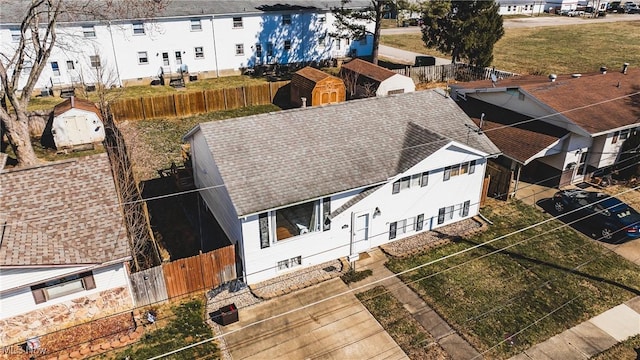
(115, 57)
(515, 188)
(215, 49)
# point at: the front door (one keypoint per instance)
(360, 236)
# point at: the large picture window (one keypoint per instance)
(63, 286)
(301, 219)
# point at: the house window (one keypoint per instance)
(142, 57)
(95, 61)
(70, 65)
(286, 19)
(263, 224)
(63, 286)
(138, 28)
(441, 215)
(464, 168)
(26, 66)
(624, 134)
(393, 228)
(55, 68)
(447, 173)
(239, 49)
(269, 49)
(614, 139)
(415, 180)
(472, 167)
(237, 22)
(322, 40)
(402, 226)
(449, 214)
(283, 265)
(287, 44)
(295, 261)
(396, 187)
(465, 208)
(326, 211)
(196, 25)
(178, 57)
(363, 40)
(258, 51)
(298, 220)
(419, 222)
(338, 43)
(15, 35)
(165, 58)
(289, 263)
(199, 52)
(425, 179)
(89, 31)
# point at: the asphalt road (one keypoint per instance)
(408, 57)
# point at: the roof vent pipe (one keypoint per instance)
(304, 101)
(481, 122)
(603, 69)
(625, 66)
(553, 77)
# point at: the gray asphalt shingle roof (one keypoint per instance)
(272, 160)
(13, 10)
(62, 213)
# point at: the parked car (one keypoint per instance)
(615, 7)
(631, 8)
(607, 215)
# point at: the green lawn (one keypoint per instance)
(489, 299)
(562, 49)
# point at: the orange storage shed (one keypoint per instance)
(317, 87)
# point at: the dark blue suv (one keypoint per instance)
(607, 215)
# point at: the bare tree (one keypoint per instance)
(38, 37)
(350, 79)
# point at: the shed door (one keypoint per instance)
(76, 129)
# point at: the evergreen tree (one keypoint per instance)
(466, 29)
(351, 22)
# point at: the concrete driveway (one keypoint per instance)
(339, 328)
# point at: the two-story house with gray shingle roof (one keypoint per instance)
(305, 186)
(63, 247)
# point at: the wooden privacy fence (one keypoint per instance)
(457, 71)
(184, 276)
(194, 102)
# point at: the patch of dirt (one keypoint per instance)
(83, 335)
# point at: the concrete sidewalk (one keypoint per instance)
(590, 337)
(456, 346)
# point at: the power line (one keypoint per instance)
(368, 285)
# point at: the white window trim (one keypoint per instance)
(89, 31)
(195, 52)
(146, 56)
(239, 49)
(195, 21)
(237, 24)
(138, 26)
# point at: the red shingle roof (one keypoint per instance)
(595, 102)
(373, 72)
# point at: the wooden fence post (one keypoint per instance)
(144, 113)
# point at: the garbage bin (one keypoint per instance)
(228, 314)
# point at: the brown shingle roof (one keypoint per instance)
(312, 74)
(516, 135)
(595, 102)
(373, 72)
(74, 102)
(62, 213)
